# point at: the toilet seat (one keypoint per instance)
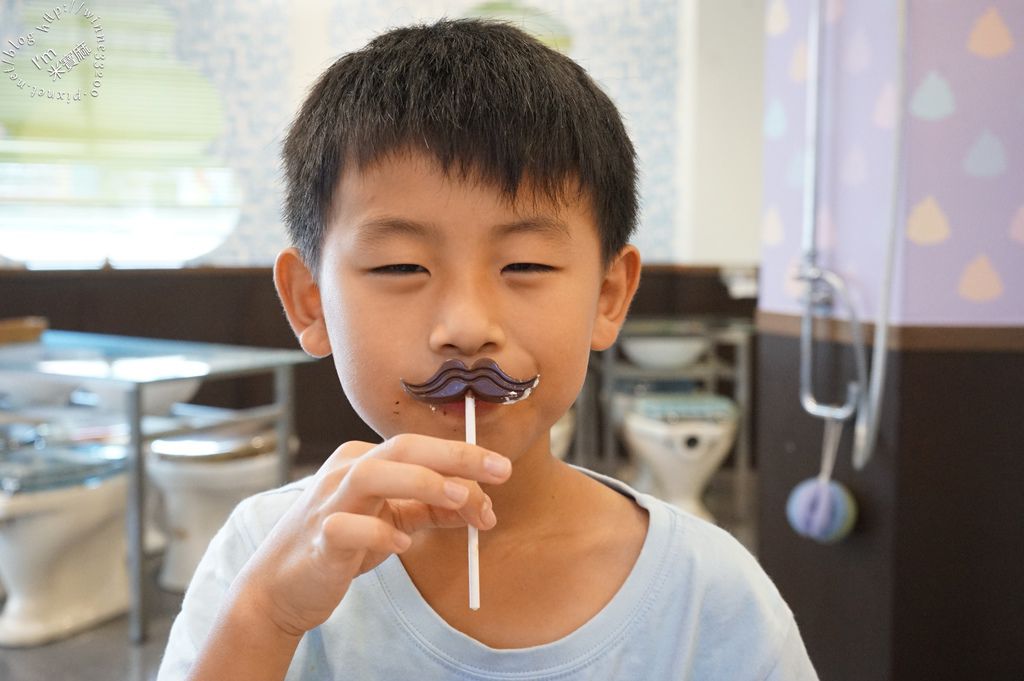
(56, 468)
(224, 444)
(675, 407)
(62, 541)
(13, 505)
(201, 477)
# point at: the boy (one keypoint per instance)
(459, 191)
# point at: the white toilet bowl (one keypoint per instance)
(62, 542)
(202, 478)
(682, 440)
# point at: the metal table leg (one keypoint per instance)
(136, 518)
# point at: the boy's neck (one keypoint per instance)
(539, 486)
(564, 543)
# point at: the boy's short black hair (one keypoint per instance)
(481, 97)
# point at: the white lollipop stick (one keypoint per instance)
(474, 535)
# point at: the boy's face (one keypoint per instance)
(418, 268)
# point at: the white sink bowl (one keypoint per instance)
(157, 399)
(664, 352)
(18, 392)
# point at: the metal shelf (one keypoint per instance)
(701, 370)
(607, 368)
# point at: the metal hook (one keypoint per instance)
(855, 394)
(810, 272)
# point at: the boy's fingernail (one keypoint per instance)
(495, 464)
(455, 491)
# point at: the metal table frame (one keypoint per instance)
(256, 361)
(280, 410)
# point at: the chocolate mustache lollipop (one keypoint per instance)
(485, 380)
(453, 382)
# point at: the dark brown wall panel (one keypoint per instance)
(959, 549)
(841, 594)
(219, 306)
(239, 306)
(929, 584)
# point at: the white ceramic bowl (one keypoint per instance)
(664, 352)
(18, 392)
(157, 399)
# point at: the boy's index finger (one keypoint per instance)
(448, 457)
(349, 451)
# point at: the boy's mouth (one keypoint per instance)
(457, 410)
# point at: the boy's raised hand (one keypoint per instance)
(363, 505)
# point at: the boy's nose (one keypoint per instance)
(467, 322)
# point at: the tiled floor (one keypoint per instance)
(104, 653)
(100, 654)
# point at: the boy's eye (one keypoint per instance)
(528, 267)
(401, 268)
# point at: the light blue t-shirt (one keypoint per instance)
(696, 606)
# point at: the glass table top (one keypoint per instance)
(129, 360)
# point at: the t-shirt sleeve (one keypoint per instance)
(745, 609)
(227, 553)
(792, 662)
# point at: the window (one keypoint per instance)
(107, 164)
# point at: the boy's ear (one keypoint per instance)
(617, 289)
(300, 295)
